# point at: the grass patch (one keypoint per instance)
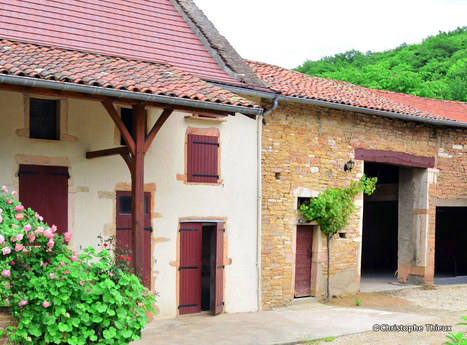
(318, 341)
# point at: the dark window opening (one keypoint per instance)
(125, 204)
(127, 117)
(303, 201)
(44, 119)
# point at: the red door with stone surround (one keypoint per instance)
(303, 261)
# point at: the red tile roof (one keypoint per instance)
(453, 109)
(30, 60)
(151, 31)
(295, 84)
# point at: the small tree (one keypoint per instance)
(332, 209)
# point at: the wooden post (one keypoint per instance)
(137, 187)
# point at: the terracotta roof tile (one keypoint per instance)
(35, 61)
(296, 84)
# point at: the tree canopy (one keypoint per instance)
(435, 68)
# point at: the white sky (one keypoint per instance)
(288, 32)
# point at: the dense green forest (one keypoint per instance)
(435, 68)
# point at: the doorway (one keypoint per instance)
(125, 233)
(450, 241)
(380, 225)
(44, 189)
(201, 270)
(303, 261)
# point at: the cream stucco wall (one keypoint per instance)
(93, 183)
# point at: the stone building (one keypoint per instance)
(415, 146)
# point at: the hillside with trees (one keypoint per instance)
(435, 68)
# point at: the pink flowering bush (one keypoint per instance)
(61, 297)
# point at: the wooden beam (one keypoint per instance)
(395, 158)
(106, 152)
(137, 188)
(108, 105)
(157, 126)
(127, 158)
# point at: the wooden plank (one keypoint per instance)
(393, 157)
(106, 152)
(157, 126)
(108, 105)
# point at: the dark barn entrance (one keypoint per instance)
(380, 223)
(450, 245)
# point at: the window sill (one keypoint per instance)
(184, 179)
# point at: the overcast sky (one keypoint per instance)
(288, 32)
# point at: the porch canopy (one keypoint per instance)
(47, 71)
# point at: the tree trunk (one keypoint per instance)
(329, 263)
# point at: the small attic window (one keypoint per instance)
(44, 119)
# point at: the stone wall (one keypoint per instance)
(5, 321)
(304, 152)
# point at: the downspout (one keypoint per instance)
(259, 135)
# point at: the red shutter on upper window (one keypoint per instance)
(202, 158)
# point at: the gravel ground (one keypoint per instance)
(443, 305)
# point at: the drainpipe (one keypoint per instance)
(259, 135)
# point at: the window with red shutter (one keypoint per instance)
(202, 158)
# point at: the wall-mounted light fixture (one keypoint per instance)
(349, 165)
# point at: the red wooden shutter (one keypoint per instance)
(219, 272)
(125, 234)
(202, 156)
(190, 268)
(45, 190)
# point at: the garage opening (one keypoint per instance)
(450, 245)
(380, 225)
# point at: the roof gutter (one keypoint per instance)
(406, 117)
(137, 96)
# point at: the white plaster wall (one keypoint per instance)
(235, 199)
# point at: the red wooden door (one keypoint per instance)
(45, 190)
(219, 271)
(190, 268)
(303, 261)
(125, 233)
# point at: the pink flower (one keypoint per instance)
(14, 193)
(32, 238)
(62, 264)
(52, 276)
(41, 218)
(5, 189)
(36, 215)
(19, 237)
(6, 250)
(27, 227)
(6, 273)
(49, 233)
(66, 272)
(67, 236)
(19, 216)
(81, 283)
(45, 304)
(13, 238)
(19, 208)
(9, 201)
(22, 303)
(54, 228)
(74, 257)
(12, 263)
(2, 239)
(19, 247)
(51, 243)
(39, 230)
(1, 219)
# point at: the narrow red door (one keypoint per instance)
(191, 242)
(45, 190)
(124, 231)
(219, 271)
(303, 261)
